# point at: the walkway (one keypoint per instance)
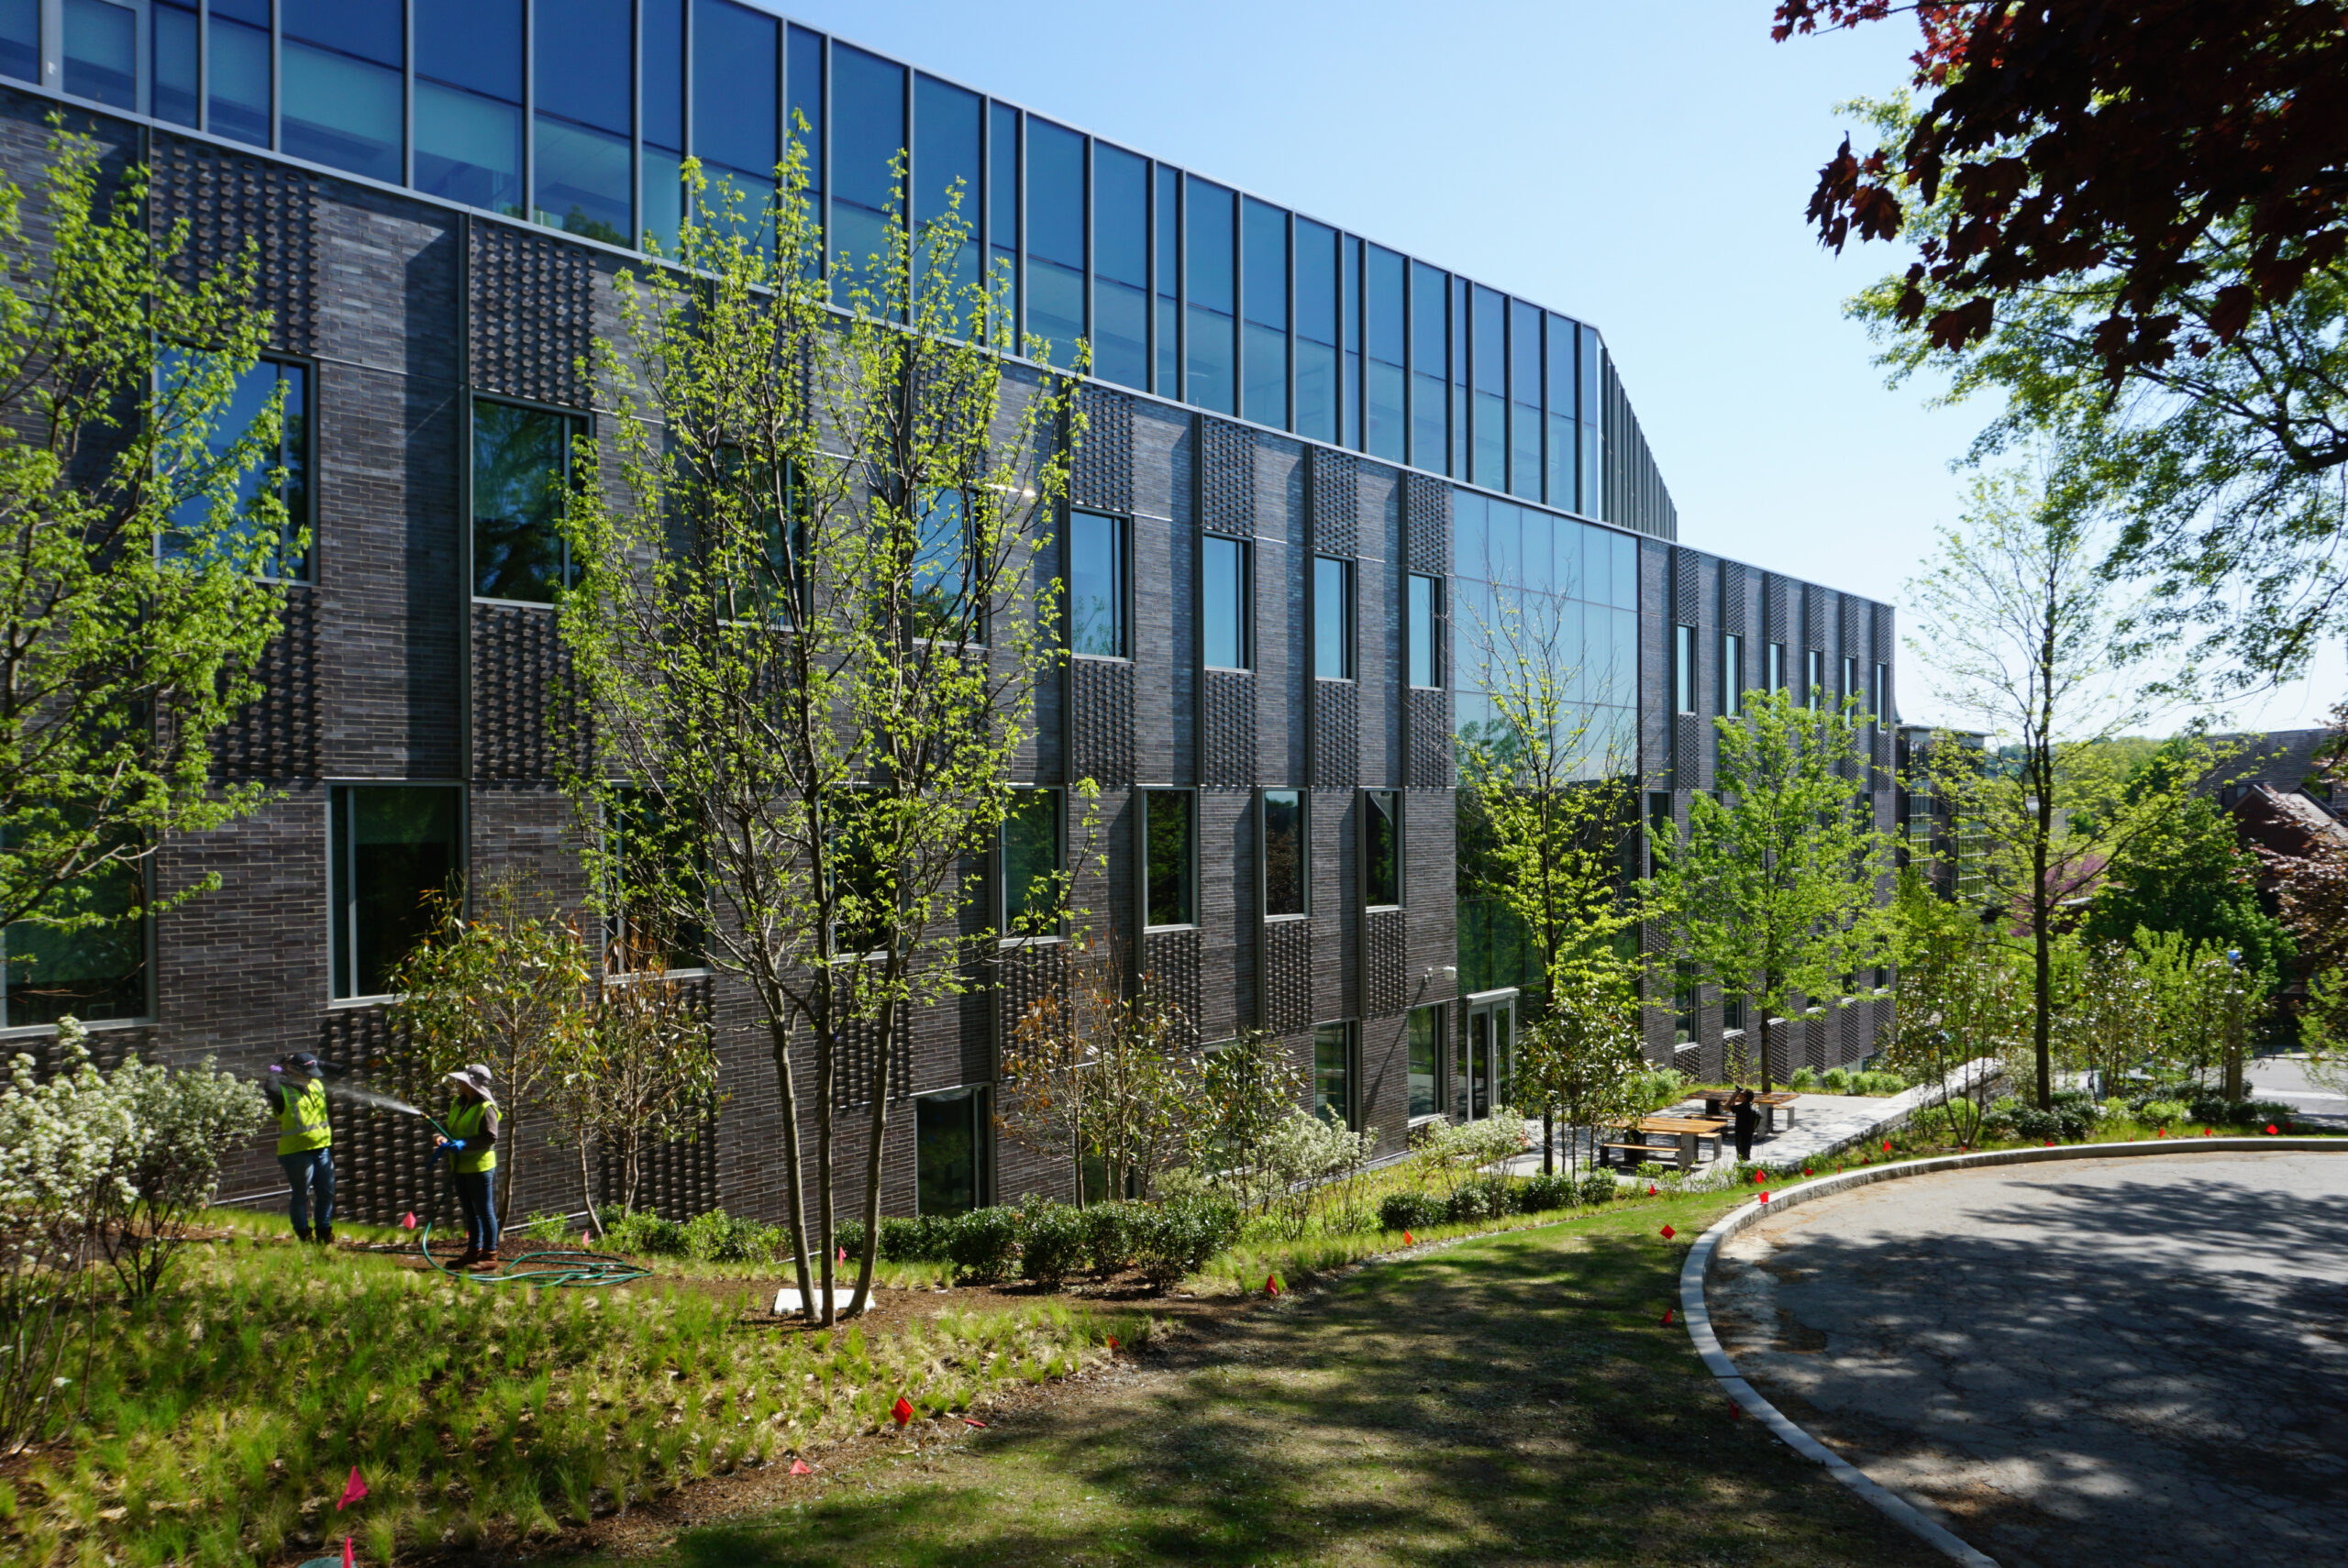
(2130, 1360)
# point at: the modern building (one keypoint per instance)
(1310, 453)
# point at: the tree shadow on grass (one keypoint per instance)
(1516, 1400)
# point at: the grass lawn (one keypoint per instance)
(1512, 1398)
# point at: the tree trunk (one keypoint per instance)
(872, 1161)
(1548, 1141)
(587, 1192)
(1765, 1043)
(796, 1186)
(2042, 992)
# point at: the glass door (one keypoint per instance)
(1487, 1048)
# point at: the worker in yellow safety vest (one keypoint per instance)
(472, 1158)
(304, 1144)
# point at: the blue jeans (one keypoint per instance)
(312, 1169)
(477, 1192)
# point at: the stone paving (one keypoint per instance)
(2133, 1361)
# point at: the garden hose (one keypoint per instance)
(569, 1268)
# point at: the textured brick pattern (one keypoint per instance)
(277, 737)
(1430, 756)
(533, 314)
(1288, 975)
(859, 1062)
(1172, 960)
(1336, 735)
(1816, 623)
(1855, 618)
(1881, 637)
(1774, 611)
(676, 1180)
(1686, 586)
(1335, 488)
(1101, 472)
(1226, 478)
(229, 199)
(1688, 768)
(1426, 524)
(1028, 977)
(1733, 599)
(1385, 977)
(1228, 756)
(1101, 726)
(521, 681)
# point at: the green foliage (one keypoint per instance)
(642, 1233)
(1109, 1235)
(1246, 1089)
(984, 1244)
(913, 1240)
(2163, 1113)
(636, 1069)
(1960, 997)
(1410, 1211)
(1051, 1242)
(1598, 1186)
(1582, 1056)
(1177, 1238)
(1449, 1153)
(2194, 879)
(719, 1237)
(1539, 1194)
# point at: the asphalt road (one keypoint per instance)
(2285, 1078)
(2135, 1362)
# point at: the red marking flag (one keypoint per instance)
(407, 1220)
(799, 1467)
(1887, 1145)
(1666, 1317)
(903, 1409)
(1406, 1239)
(352, 1490)
(1764, 1197)
(1271, 1284)
(971, 1421)
(347, 1560)
(1112, 1342)
(1668, 1232)
(1650, 1189)
(2270, 1129)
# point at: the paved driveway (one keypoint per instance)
(2132, 1361)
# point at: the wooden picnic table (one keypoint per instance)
(1683, 1131)
(1715, 1100)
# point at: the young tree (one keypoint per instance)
(508, 986)
(1246, 1090)
(1959, 999)
(1773, 893)
(640, 1070)
(809, 620)
(2017, 627)
(134, 604)
(1547, 815)
(1581, 1060)
(2194, 879)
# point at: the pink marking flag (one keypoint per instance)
(903, 1411)
(971, 1421)
(799, 1467)
(352, 1490)
(347, 1560)
(407, 1220)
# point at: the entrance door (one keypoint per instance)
(1485, 1051)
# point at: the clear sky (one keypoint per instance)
(1641, 165)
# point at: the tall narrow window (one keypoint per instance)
(1591, 480)
(1385, 433)
(1264, 293)
(1426, 611)
(521, 465)
(102, 53)
(1056, 237)
(946, 172)
(468, 102)
(1661, 825)
(1332, 618)
(342, 104)
(1813, 678)
(1430, 369)
(1120, 266)
(1381, 848)
(1287, 889)
(1349, 329)
(238, 37)
(1209, 352)
(867, 139)
(174, 61)
(1170, 281)
(1878, 708)
(1850, 679)
(1525, 400)
(1168, 856)
(585, 84)
(1773, 667)
(948, 1135)
(1559, 487)
(20, 40)
(1031, 864)
(647, 854)
(663, 66)
(1003, 164)
(1488, 372)
(283, 474)
(1426, 1048)
(394, 848)
(1333, 1073)
(736, 113)
(1683, 669)
(1227, 599)
(1096, 585)
(1732, 674)
(1316, 330)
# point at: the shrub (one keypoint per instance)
(1177, 1238)
(1051, 1242)
(1650, 1170)
(1836, 1081)
(1109, 1236)
(1485, 1198)
(982, 1244)
(848, 1235)
(1877, 1083)
(1409, 1210)
(545, 1228)
(643, 1233)
(720, 1237)
(921, 1240)
(2163, 1113)
(1804, 1079)
(2259, 1112)
(1598, 1187)
(1448, 1153)
(1538, 1195)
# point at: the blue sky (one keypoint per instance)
(1643, 166)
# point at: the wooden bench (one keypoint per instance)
(1644, 1151)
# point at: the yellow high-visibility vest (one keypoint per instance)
(467, 1122)
(302, 1118)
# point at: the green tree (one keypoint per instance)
(134, 607)
(1959, 998)
(1773, 892)
(1581, 1060)
(2196, 880)
(640, 1070)
(812, 614)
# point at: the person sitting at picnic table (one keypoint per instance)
(1748, 1120)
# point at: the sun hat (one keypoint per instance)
(474, 1075)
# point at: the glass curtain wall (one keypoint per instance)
(1487, 369)
(1212, 350)
(345, 63)
(1264, 292)
(585, 83)
(469, 101)
(804, 101)
(662, 68)
(1564, 443)
(947, 187)
(1430, 361)
(172, 39)
(1003, 204)
(1169, 218)
(1316, 330)
(1055, 239)
(868, 137)
(1120, 266)
(1385, 407)
(1525, 400)
(1349, 331)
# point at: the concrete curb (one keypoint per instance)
(1698, 1264)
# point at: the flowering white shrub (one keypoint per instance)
(1300, 1153)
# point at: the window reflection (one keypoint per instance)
(1096, 596)
(1055, 237)
(395, 849)
(946, 171)
(1224, 598)
(1168, 856)
(1430, 360)
(344, 87)
(469, 101)
(521, 465)
(20, 40)
(1264, 290)
(584, 82)
(1285, 853)
(173, 57)
(1120, 266)
(1031, 863)
(1210, 350)
(1316, 330)
(281, 474)
(735, 116)
(238, 42)
(102, 53)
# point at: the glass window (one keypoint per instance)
(941, 568)
(868, 134)
(1470, 514)
(1504, 544)
(664, 72)
(1877, 707)
(238, 44)
(1031, 863)
(1430, 359)
(1525, 400)
(1426, 1045)
(1851, 678)
(734, 117)
(1168, 860)
(1425, 611)
(521, 463)
(174, 56)
(1332, 618)
(1683, 669)
(281, 474)
(1383, 404)
(585, 81)
(945, 174)
(1002, 199)
(1625, 594)
(803, 84)
(1333, 1073)
(1732, 674)
(1488, 370)
(98, 972)
(1120, 266)
(1264, 290)
(947, 1152)
(1458, 467)
(1381, 847)
(1349, 250)
(20, 40)
(1591, 477)
(640, 933)
(1096, 588)
(1559, 485)
(102, 53)
(1170, 279)
(1316, 330)
(1773, 667)
(1209, 351)
(469, 101)
(1228, 600)
(394, 850)
(342, 104)
(1287, 889)
(1813, 677)
(1055, 239)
